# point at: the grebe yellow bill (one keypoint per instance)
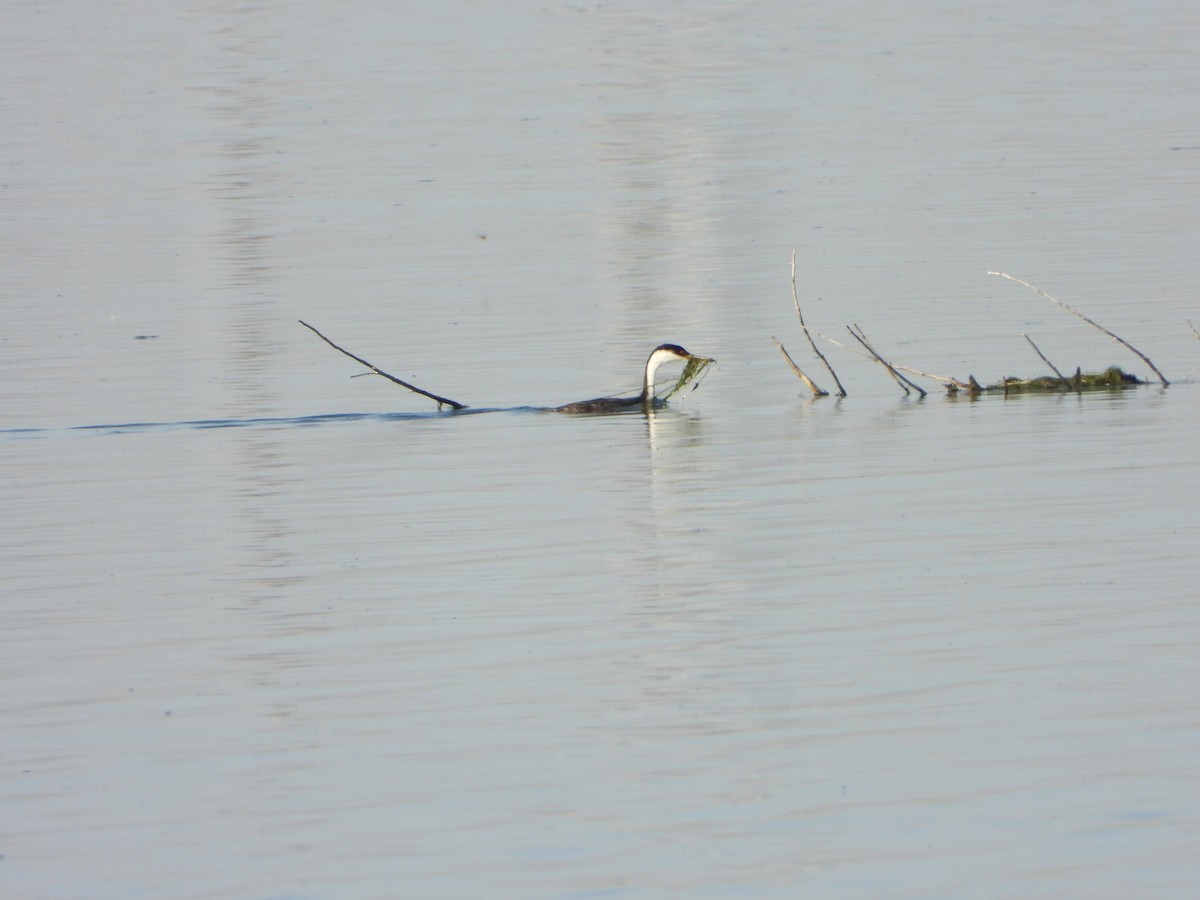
(663, 353)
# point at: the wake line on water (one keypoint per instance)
(256, 422)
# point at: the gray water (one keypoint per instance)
(270, 631)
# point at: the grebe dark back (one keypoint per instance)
(663, 353)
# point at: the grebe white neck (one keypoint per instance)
(664, 353)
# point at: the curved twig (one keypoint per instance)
(1098, 327)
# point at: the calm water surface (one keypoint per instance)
(272, 632)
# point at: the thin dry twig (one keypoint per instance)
(453, 404)
(860, 336)
(1193, 327)
(1066, 383)
(811, 342)
(948, 380)
(1075, 312)
(817, 391)
(835, 342)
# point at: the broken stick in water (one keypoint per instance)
(453, 404)
(796, 302)
(1066, 383)
(817, 391)
(860, 336)
(1098, 327)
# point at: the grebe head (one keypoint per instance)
(672, 349)
(663, 353)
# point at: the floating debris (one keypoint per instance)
(1114, 377)
(1111, 378)
(1120, 340)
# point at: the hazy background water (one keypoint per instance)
(272, 632)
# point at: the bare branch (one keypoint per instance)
(1065, 382)
(1075, 312)
(817, 392)
(860, 336)
(453, 404)
(808, 334)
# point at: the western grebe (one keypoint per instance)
(663, 353)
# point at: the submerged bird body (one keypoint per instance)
(663, 353)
